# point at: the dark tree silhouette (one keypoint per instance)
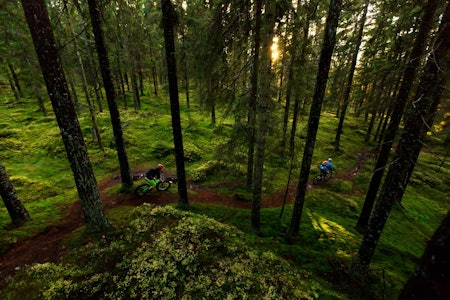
(127, 180)
(314, 114)
(58, 91)
(251, 116)
(431, 278)
(16, 209)
(264, 105)
(396, 116)
(168, 23)
(429, 92)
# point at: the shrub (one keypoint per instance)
(165, 253)
(191, 153)
(202, 172)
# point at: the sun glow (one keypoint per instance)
(274, 49)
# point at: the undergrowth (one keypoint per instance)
(147, 247)
(165, 253)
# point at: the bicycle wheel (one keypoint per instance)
(317, 179)
(163, 185)
(142, 189)
(327, 177)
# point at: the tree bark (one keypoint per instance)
(125, 174)
(263, 108)
(16, 209)
(314, 114)
(45, 46)
(427, 97)
(408, 79)
(251, 117)
(168, 22)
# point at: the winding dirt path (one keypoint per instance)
(46, 246)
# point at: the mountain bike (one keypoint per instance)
(161, 184)
(322, 177)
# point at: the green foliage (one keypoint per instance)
(167, 254)
(32, 152)
(202, 172)
(32, 190)
(340, 185)
(191, 153)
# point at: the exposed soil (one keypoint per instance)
(46, 246)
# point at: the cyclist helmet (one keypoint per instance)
(329, 159)
(161, 167)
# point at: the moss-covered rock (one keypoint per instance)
(165, 253)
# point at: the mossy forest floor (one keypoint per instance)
(45, 247)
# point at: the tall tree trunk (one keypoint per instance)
(74, 95)
(427, 97)
(311, 13)
(385, 116)
(16, 209)
(348, 87)
(15, 80)
(408, 79)
(135, 89)
(141, 77)
(13, 89)
(85, 84)
(290, 81)
(168, 22)
(41, 105)
(154, 74)
(125, 174)
(263, 108)
(213, 111)
(185, 70)
(45, 46)
(373, 99)
(98, 93)
(314, 114)
(251, 117)
(280, 87)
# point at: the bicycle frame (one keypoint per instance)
(152, 182)
(161, 184)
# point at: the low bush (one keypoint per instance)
(165, 253)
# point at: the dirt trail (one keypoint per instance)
(45, 247)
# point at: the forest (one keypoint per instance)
(241, 101)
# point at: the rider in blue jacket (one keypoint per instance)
(327, 166)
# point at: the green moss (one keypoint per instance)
(338, 185)
(194, 257)
(34, 156)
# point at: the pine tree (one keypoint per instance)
(429, 92)
(44, 42)
(402, 97)
(314, 115)
(168, 23)
(125, 173)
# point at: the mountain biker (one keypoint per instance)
(327, 166)
(154, 173)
